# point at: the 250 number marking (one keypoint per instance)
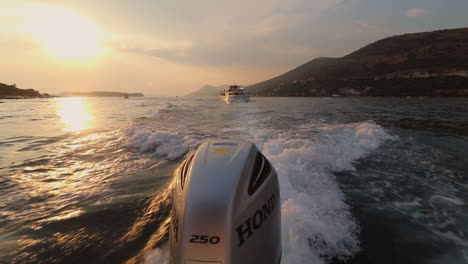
(204, 239)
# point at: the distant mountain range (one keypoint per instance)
(100, 94)
(420, 64)
(12, 92)
(209, 90)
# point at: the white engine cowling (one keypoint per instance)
(226, 207)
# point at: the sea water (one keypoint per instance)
(363, 180)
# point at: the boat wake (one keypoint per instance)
(317, 223)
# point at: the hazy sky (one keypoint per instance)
(174, 47)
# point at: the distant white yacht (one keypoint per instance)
(235, 93)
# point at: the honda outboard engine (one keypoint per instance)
(226, 207)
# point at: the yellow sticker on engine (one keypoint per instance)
(221, 150)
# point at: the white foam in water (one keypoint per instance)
(167, 143)
(316, 221)
(158, 255)
(449, 200)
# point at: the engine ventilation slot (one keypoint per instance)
(184, 170)
(260, 172)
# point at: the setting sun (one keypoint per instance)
(64, 33)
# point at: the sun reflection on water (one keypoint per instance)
(75, 113)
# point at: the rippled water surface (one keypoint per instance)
(363, 180)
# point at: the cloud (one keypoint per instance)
(417, 12)
(283, 33)
(366, 25)
(167, 54)
(225, 32)
(241, 52)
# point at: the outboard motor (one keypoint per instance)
(226, 207)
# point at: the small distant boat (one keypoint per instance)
(235, 93)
